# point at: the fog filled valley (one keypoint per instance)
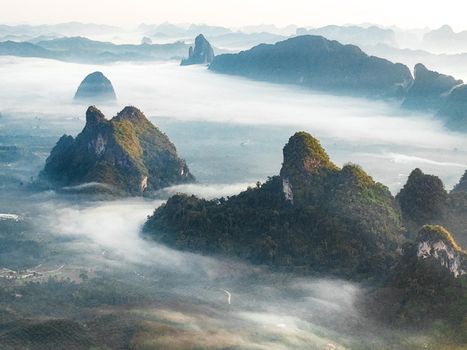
(77, 272)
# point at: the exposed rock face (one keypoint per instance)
(314, 216)
(203, 52)
(303, 158)
(454, 110)
(95, 87)
(428, 283)
(318, 63)
(429, 89)
(436, 242)
(126, 153)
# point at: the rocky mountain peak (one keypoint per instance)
(95, 87)
(127, 157)
(303, 157)
(94, 116)
(132, 114)
(429, 89)
(436, 242)
(419, 69)
(304, 154)
(422, 198)
(202, 53)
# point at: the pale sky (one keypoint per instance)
(404, 13)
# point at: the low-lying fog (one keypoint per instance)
(242, 115)
(231, 132)
(228, 304)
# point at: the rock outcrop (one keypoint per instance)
(429, 89)
(454, 109)
(428, 284)
(313, 217)
(422, 199)
(303, 159)
(94, 88)
(126, 154)
(436, 243)
(202, 53)
(318, 63)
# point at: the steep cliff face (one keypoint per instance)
(429, 89)
(436, 243)
(313, 217)
(304, 161)
(202, 53)
(95, 87)
(454, 109)
(126, 153)
(428, 284)
(318, 63)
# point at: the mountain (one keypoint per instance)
(355, 35)
(182, 31)
(28, 32)
(444, 39)
(429, 89)
(240, 40)
(454, 109)
(270, 29)
(83, 50)
(201, 54)
(313, 217)
(194, 29)
(126, 154)
(428, 286)
(461, 186)
(422, 199)
(318, 63)
(23, 49)
(95, 87)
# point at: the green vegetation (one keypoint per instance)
(315, 62)
(427, 290)
(317, 218)
(120, 153)
(422, 199)
(338, 221)
(433, 232)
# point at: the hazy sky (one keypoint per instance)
(404, 13)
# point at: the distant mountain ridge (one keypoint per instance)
(445, 39)
(79, 49)
(318, 63)
(429, 89)
(95, 87)
(356, 35)
(201, 53)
